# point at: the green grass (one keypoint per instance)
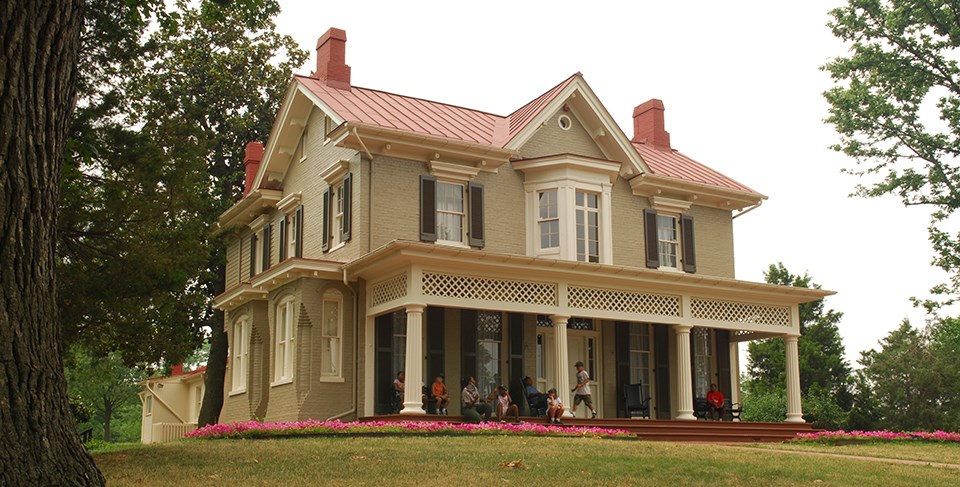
(924, 452)
(477, 461)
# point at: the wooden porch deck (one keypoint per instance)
(656, 429)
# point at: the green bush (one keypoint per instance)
(824, 412)
(766, 407)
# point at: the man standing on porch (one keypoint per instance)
(582, 391)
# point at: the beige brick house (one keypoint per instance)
(380, 233)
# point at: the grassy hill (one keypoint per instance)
(527, 461)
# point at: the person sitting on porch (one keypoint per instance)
(474, 408)
(439, 395)
(398, 388)
(535, 398)
(554, 407)
(504, 406)
(582, 390)
(715, 401)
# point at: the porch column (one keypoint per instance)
(684, 374)
(794, 410)
(413, 393)
(734, 372)
(562, 362)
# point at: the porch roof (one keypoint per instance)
(400, 253)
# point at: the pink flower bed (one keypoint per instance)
(879, 436)
(250, 429)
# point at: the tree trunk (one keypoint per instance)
(39, 444)
(216, 371)
(107, 413)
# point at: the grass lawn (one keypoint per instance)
(924, 452)
(478, 460)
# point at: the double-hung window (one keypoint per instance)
(548, 220)
(283, 338)
(668, 241)
(588, 227)
(450, 212)
(291, 230)
(338, 216)
(238, 357)
(330, 334)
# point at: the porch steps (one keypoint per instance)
(659, 429)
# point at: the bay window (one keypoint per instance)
(588, 227)
(548, 220)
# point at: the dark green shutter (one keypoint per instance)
(468, 340)
(298, 248)
(515, 335)
(650, 240)
(723, 362)
(476, 232)
(347, 206)
(383, 363)
(282, 247)
(265, 264)
(325, 221)
(253, 255)
(622, 334)
(661, 353)
(689, 244)
(435, 355)
(428, 208)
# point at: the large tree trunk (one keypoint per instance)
(107, 414)
(38, 71)
(216, 372)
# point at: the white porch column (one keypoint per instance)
(794, 410)
(413, 393)
(734, 372)
(562, 362)
(684, 374)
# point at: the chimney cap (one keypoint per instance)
(651, 104)
(332, 33)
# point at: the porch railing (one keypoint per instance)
(163, 432)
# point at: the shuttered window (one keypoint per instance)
(428, 209)
(265, 248)
(476, 228)
(689, 244)
(282, 246)
(297, 233)
(253, 255)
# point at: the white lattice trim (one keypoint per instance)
(730, 311)
(623, 301)
(489, 289)
(388, 290)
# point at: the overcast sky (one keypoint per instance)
(742, 91)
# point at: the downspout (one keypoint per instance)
(748, 210)
(356, 349)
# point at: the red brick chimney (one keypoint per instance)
(251, 163)
(176, 370)
(331, 59)
(648, 124)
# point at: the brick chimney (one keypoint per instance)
(176, 370)
(331, 59)
(648, 124)
(251, 163)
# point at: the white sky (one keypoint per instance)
(742, 91)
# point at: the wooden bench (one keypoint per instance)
(731, 411)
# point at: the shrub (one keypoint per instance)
(766, 407)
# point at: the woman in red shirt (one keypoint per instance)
(715, 400)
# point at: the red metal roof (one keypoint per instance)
(427, 117)
(670, 163)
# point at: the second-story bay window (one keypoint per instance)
(588, 227)
(548, 220)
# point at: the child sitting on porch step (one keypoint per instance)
(440, 396)
(554, 407)
(504, 406)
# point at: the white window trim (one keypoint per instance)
(336, 195)
(148, 405)
(241, 341)
(548, 251)
(284, 376)
(333, 296)
(566, 210)
(463, 214)
(302, 147)
(587, 210)
(676, 223)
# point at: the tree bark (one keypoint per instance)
(216, 372)
(107, 414)
(39, 444)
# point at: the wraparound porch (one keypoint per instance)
(413, 278)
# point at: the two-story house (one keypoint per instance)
(381, 233)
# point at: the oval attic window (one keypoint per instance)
(564, 122)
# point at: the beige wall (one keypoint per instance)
(551, 139)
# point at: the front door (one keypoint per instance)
(582, 346)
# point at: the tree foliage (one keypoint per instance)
(823, 369)
(896, 107)
(103, 384)
(913, 377)
(169, 95)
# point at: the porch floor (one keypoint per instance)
(656, 429)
